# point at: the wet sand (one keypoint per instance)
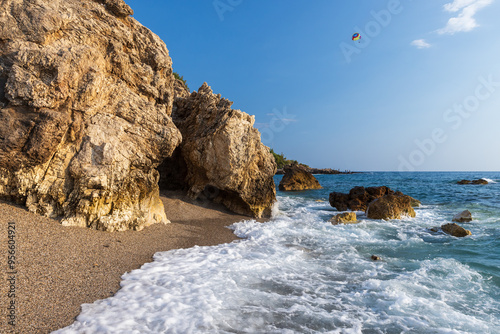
(59, 268)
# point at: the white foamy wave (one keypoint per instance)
(300, 274)
(488, 180)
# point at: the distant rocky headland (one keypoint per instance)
(280, 171)
(92, 120)
(282, 162)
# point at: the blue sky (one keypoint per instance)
(419, 91)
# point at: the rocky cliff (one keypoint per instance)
(86, 99)
(221, 157)
(86, 96)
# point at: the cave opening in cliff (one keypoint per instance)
(173, 172)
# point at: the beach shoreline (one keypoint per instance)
(60, 268)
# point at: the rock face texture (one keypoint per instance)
(455, 230)
(344, 218)
(391, 206)
(462, 217)
(86, 95)
(358, 198)
(221, 156)
(298, 178)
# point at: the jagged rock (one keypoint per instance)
(86, 95)
(463, 217)
(455, 230)
(358, 198)
(478, 181)
(376, 258)
(344, 218)
(117, 7)
(298, 178)
(390, 206)
(180, 89)
(225, 160)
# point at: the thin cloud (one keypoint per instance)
(465, 20)
(420, 44)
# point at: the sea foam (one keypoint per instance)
(300, 274)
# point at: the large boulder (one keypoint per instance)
(221, 157)
(86, 95)
(391, 206)
(358, 198)
(298, 178)
(455, 230)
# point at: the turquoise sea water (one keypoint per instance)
(299, 274)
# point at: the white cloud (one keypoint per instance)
(456, 5)
(465, 20)
(420, 44)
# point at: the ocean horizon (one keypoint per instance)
(298, 273)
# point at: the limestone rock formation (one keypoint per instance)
(344, 218)
(221, 156)
(391, 206)
(455, 230)
(86, 94)
(180, 89)
(462, 217)
(298, 178)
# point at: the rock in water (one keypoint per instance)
(358, 198)
(390, 206)
(298, 178)
(455, 230)
(344, 218)
(86, 95)
(223, 156)
(478, 181)
(463, 217)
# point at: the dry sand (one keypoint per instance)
(59, 268)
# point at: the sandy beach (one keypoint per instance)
(59, 268)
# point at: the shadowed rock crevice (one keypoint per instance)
(173, 172)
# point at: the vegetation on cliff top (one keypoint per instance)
(181, 78)
(282, 161)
